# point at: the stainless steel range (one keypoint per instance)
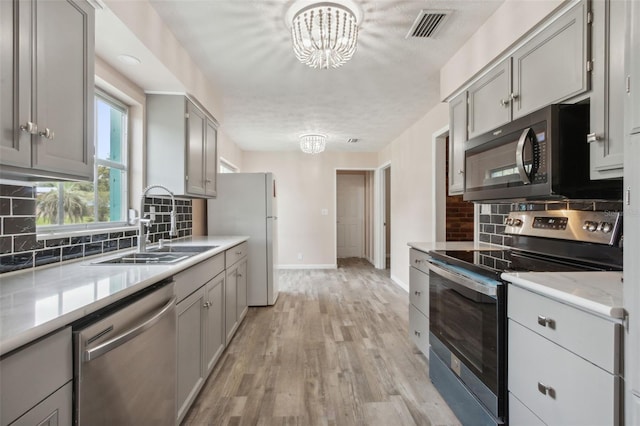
(467, 300)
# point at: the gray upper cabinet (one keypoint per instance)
(489, 100)
(181, 145)
(46, 102)
(549, 68)
(552, 66)
(606, 136)
(457, 139)
(632, 78)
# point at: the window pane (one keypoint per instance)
(109, 131)
(110, 194)
(64, 203)
(47, 197)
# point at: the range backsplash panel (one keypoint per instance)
(20, 247)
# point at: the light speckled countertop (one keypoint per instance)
(36, 302)
(596, 292)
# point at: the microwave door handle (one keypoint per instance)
(520, 156)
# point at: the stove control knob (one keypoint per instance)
(590, 226)
(606, 227)
(517, 222)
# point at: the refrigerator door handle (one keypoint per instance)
(272, 217)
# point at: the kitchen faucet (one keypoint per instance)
(142, 222)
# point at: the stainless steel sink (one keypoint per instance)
(174, 248)
(146, 258)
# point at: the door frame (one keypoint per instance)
(335, 206)
(379, 235)
(440, 191)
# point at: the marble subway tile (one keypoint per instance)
(15, 262)
(6, 245)
(23, 207)
(5, 206)
(18, 225)
(16, 191)
(47, 256)
(72, 252)
(57, 242)
(24, 243)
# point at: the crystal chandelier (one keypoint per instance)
(324, 34)
(312, 143)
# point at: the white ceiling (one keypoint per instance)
(269, 98)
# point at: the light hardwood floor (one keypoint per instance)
(334, 350)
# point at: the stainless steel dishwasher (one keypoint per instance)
(125, 362)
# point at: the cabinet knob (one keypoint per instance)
(505, 102)
(29, 127)
(208, 181)
(546, 390)
(239, 275)
(417, 293)
(593, 137)
(238, 253)
(513, 96)
(207, 305)
(47, 133)
(460, 171)
(416, 332)
(546, 322)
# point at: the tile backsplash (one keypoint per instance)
(492, 216)
(21, 248)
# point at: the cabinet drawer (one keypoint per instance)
(582, 394)
(236, 253)
(519, 414)
(419, 329)
(419, 290)
(196, 276)
(53, 411)
(419, 260)
(590, 336)
(31, 374)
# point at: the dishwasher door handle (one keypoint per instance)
(91, 354)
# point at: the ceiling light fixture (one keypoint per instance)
(312, 143)
(324, 34)
(129, 59)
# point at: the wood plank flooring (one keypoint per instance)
(334, 350)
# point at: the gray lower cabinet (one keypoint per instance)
(199, 316)
(46, 90)
(632, 125)
(490, 100)
(606, 138)
(230, 303)
(457, 139)
(36, 384)
(419, 300)
(565, 368)
(181, 145)
(236, 288)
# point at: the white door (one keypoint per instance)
(350, 215)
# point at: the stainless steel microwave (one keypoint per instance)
(541, 156)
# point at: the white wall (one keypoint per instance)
(411, 189)
(306, 184)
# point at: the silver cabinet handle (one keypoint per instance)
(417, 293)
(29, 127)
(109, 345)
(47, 133)
(416, 332)
(513, 96)
(208, 181)
(546, 390)
(207, 305)
(239, 275)
(418, 261)
(460, 171)
(592, 137)
(238, 253)
(546, 322)
(505, 102)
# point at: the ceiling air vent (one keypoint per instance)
(353, 140)
(428, 23)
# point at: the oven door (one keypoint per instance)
(467, 331)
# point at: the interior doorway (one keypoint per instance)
(387, 216)
(354, 207)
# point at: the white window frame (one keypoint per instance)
(227, 167)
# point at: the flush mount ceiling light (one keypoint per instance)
(312, 143)
(129, 60)
(324, 34)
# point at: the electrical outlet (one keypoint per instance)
(324, 212)
(152, 213)
(300, 256)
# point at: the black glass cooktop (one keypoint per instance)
(492, 263)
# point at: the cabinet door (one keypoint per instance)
(230, 302)
(195, 142)
(241, 292)
(633, 67)
(190, 330)
(214, 312)
(606, 141)
(211, 159)
(15, 107)
(457, 138)
(55, 410)
(489, 100)
(552, 66)
(64, 87)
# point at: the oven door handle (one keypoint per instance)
(463, 281)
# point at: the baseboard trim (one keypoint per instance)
(399, 283)
(310, 266)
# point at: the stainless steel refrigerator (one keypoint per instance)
(246, 205)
